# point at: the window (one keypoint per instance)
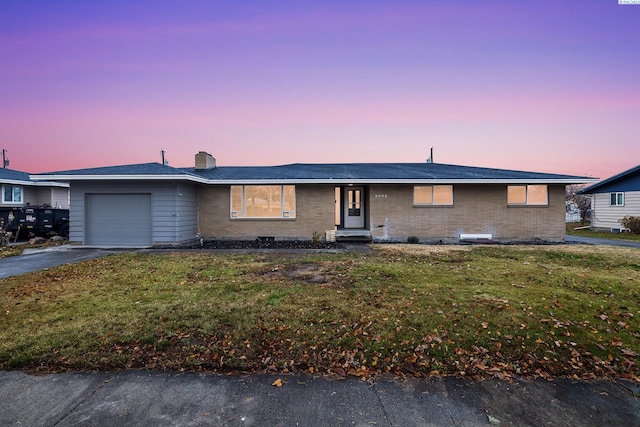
(617, 199)
(527, 195)
(263, 201)
(433, 195)
(11, 194)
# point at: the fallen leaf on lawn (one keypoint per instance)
(628, 352)
(493, 420)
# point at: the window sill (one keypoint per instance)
(262, 219)
(432, 206)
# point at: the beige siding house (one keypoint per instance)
(432, 202)
(614, 198)
(18, 191)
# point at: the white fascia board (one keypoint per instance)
(35, 184)
(120, 178)
(201, 180)
(397, 181)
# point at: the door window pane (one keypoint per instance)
(354, 202)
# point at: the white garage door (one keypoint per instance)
(118, 219)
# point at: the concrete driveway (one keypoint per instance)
(38, 259)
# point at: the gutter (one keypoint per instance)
(284, 181)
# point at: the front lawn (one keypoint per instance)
(571, 230)
(419, 310)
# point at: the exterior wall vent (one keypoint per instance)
(476, 237)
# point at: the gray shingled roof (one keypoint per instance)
(13, 175)
(137, 169)
(366, 171)
(330, 172)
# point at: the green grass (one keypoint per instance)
(404, 309)
(571, 230)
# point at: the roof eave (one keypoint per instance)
(33, 183)
(567, 181)
(333, 181)
(146, 177)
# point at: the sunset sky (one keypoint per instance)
(547, 86)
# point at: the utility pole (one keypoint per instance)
(5, 161)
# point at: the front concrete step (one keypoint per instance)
(353, 235)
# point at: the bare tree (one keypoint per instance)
(578, 202)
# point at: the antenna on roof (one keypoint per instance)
(164, 161)
(430, 159)
(5, 161)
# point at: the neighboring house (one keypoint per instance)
(18, 190)
(614, 198)
(151, 203)
(573, 212)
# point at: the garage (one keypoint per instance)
(118, 219)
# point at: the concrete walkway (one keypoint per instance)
(131, 398)
(598, 241)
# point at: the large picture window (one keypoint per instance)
(535, 195)
(263, 201)
(433, 195)
(11, 194)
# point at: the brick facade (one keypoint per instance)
(314, 212)
(477, 208)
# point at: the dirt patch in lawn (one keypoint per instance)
(317, 273)
(421, 249)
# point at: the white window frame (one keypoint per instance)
(242, 214)
(619, 195)
(13, 200)
(433, 194)
(527, 202)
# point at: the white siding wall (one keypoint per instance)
(173, 207)
(605, 216)
(38, 196)
(59, 197)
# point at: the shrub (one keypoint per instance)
(413, 240)
(632, 223)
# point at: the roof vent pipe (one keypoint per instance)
(205, 161)
(430, 159)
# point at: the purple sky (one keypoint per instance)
(548, 86)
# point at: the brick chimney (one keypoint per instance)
(205, 160)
